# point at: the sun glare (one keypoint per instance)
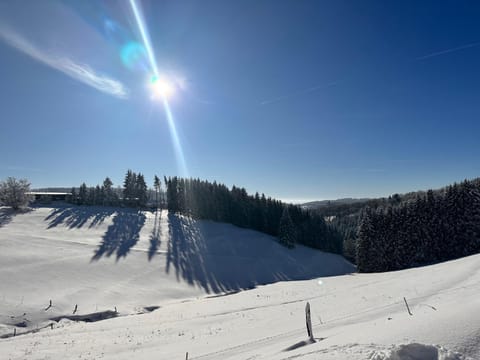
(161, 88)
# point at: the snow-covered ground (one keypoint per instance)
(86, 257)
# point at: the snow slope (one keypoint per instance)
(101, 258)
(355, 316)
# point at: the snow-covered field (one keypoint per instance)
(167, 277)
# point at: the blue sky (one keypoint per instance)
(300, 100)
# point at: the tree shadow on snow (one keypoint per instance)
(78, 216)
(209, 259)
(7, 214)
(155, 240)
(121, 235)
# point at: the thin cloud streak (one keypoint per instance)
(447, 51)
(80, 72)
(298, 93)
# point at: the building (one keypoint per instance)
(47, 196)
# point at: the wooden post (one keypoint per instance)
(14, 332)
(408, 308)
(308, 321)
(186, 356)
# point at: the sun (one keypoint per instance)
(161, 88)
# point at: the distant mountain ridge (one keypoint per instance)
(344, 201)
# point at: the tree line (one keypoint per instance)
(291, 224)
(134, 193)
(383, 234)
(212, 201)
(434, 227)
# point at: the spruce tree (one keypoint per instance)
(108, 195)
(156, 185)
(82, 194)
(365, 258)
(73, 198)
(129, 188)
(98, 200)
(91, 196)
(141, 190)
(286, 231)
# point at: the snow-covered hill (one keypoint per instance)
(73, 258)
(102, 258)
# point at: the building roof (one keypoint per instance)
(48, 193)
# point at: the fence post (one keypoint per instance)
(308, 319)
(408, 308)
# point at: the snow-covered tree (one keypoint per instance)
(15, 193)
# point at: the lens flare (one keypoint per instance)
(134, 56)
(144, 34)
(176, 140)
(161, 88)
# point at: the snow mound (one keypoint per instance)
(416, 351)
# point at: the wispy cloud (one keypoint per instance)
(77, 71)
(447, 51)
(298, 93)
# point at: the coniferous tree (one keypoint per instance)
(156, 185)
(73, 198)
(141, 190)
(286, 231)
(365, 256)
(472, 217)
(129, 188)
(91, 196)
(173, 195)
(83, 194)
(180, 195)
(98, 199)
(108, 194)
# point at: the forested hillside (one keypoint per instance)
(432, 228)
(290, 223)
(420, 218)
